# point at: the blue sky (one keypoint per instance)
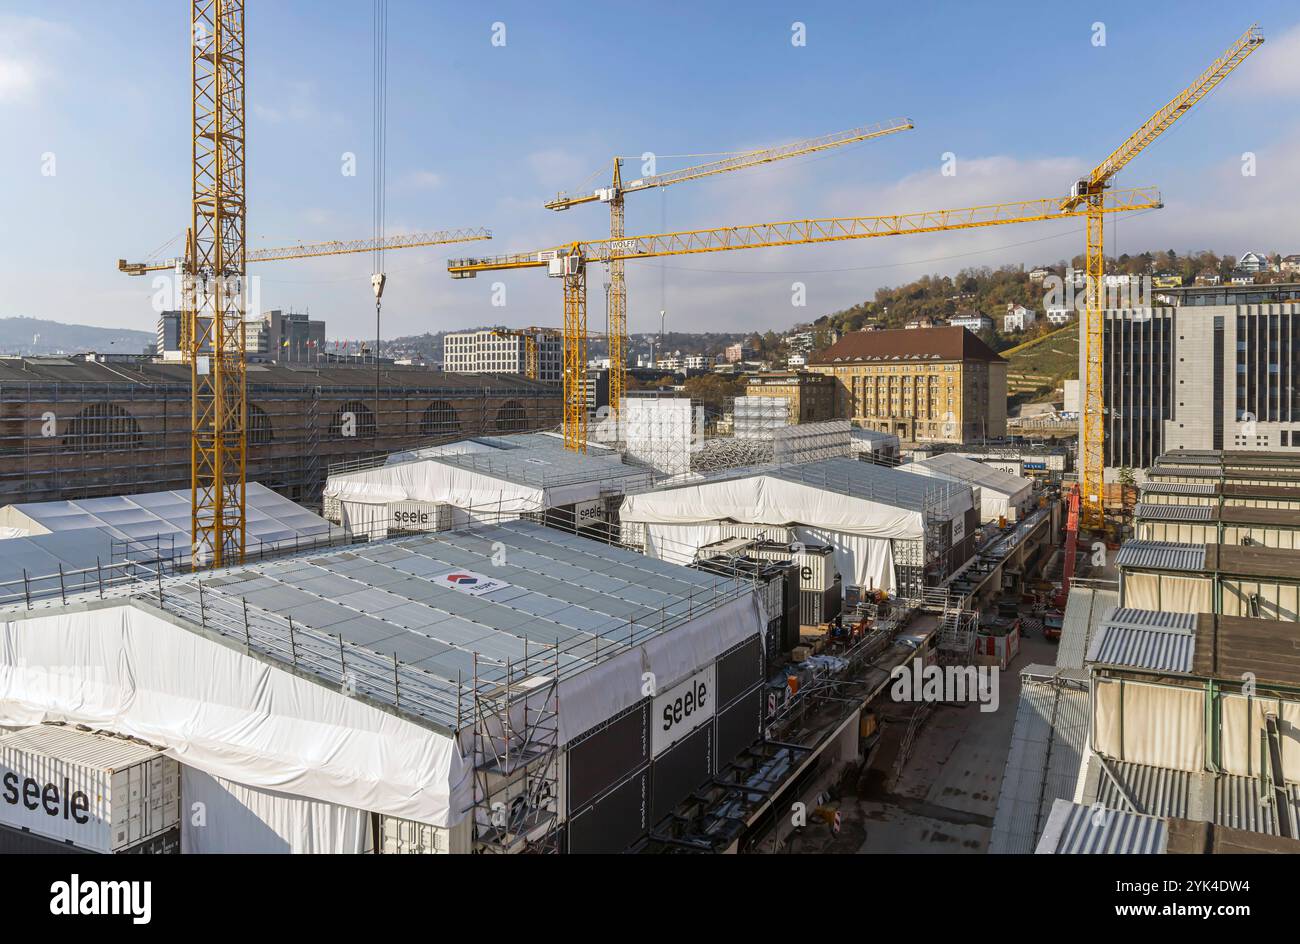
(483, 135)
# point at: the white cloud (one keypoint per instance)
(421, 180)
(26, 45)
(1273, 69)
(297, 103)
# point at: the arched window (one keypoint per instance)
(440, 419)
(259, 426)
(102, 427)
(512, 418)
(354, 420)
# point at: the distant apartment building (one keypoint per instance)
(939, 385)
(1039, 274)
(1057, 317)
(699, 361)
(812, 395)
(1018, 318)
(491, 352)
(924, 321)
(1221, 370)
(1166, 280)
(972, 321)
(740, 351)
(796, 360)
(1290, 265)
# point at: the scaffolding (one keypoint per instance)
(516, 735)
(74, 438)
(759, 417)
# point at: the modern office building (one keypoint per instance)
(498, 352)
(286, 337)
(1203, 374)
(943, 384)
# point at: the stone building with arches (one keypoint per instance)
(79, 428)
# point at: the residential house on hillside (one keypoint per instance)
(1059, 316)
(1252, 262)
(972, 321)
(1290, 264)
(1039, 274)
(1018, 318)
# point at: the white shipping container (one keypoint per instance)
(414, 516)
(816, 563)
(99, 793)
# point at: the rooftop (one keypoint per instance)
(72, 370)
(1235, 560)
(1198, 645)
(871, 482)
(1226, 514)
(435, 609)
(933, 344)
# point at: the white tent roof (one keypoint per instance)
(1013, 488)
(842, 495)
(411, 623)
(270, 517)
(512, 474)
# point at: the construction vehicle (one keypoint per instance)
(1087, 193)
(569, 262)
(616, 299)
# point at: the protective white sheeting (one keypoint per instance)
(433, 481)
(678, 543)
(763, 499)
(270, 518)
(1001, 493)
(236, 819)
(594, 696)
(466, 488)
(679, 521)
(126, 669)
(861, 561)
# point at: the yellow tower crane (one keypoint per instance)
(212, 275)
(569, 262)
(1087, 194)
(616, 301)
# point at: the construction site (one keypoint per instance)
(466, 611)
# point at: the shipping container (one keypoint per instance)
(816, 561)
(99, 793)
(820, 606)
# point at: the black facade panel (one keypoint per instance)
(739, 670)
(608, 755)
(679, 770)
(739, 727)
(613, 822)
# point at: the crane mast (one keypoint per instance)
(616, 297)
(214, 308)
(1087, 193)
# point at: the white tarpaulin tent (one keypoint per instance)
(491, 478)
(270, 518)
(238, 709)
(856, 507)
(1002, 495)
